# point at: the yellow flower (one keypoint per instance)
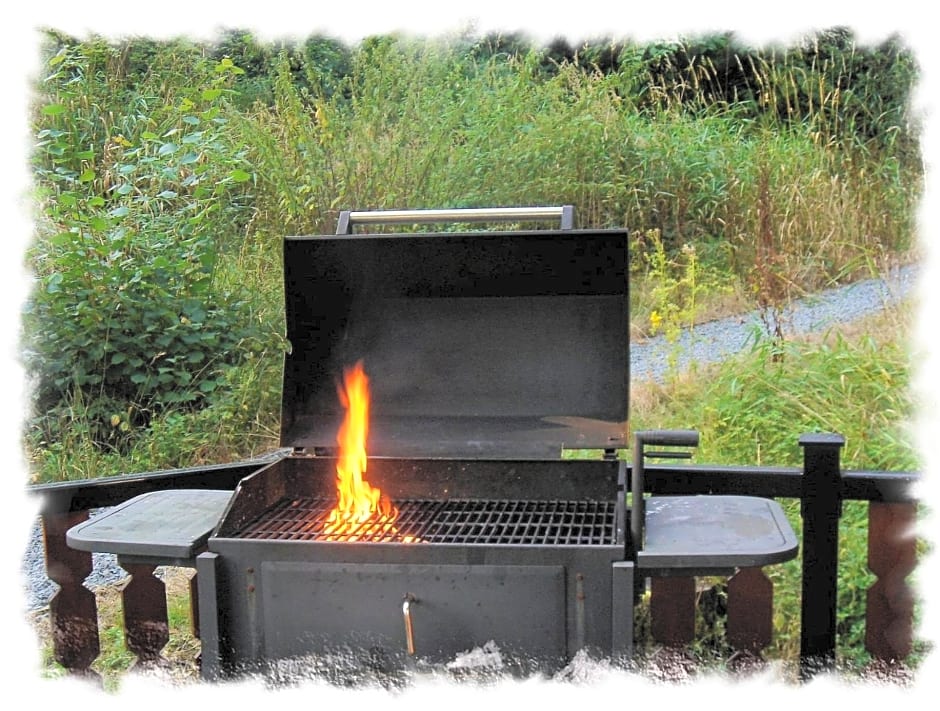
(655, 321)
(320, 115)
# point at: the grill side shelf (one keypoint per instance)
(169, 526)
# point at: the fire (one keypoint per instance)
(361, 511)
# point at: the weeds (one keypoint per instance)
(674, 291)
(127, 319)
(754, 407)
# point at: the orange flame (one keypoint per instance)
(361, 512)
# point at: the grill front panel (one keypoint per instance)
(460, 521)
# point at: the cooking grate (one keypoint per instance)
(463, 521)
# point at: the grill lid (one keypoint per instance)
(506, 345)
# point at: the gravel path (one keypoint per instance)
(716, 340)
(710, 342)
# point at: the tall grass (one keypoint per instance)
(423, 125)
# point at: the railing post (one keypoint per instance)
(672, 610)
(146, 629)
(892, 556)
(750, 610)
(73, 609)
(821, 507)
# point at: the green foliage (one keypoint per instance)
(749, 408)
(241, 422)
(259, 63)
(125, 318)
(858, 389)
(844, 92)
(164, 192)
(752, 410)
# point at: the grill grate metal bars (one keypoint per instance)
(462, 521)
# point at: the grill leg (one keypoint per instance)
(622, 610)
(210, 663)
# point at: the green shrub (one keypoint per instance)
(126, 317)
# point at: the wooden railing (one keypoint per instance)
(820, 485)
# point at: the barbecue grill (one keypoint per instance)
(490, 354)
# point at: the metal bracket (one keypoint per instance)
(657, 438)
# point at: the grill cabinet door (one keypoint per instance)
(334, 607)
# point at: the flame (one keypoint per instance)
(361, 511)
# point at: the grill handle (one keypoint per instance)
(657, 438)
(409, 629)
(348, 218)
(667, 438)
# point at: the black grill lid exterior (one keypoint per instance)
(497, 345)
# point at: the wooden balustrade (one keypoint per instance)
(73, 609)
(750, 611)
(146, 630)
(892, 556)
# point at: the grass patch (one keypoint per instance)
(752, 409)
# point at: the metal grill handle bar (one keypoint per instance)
(348, 218)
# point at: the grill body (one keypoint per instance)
(538, 568)
(488, 354)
